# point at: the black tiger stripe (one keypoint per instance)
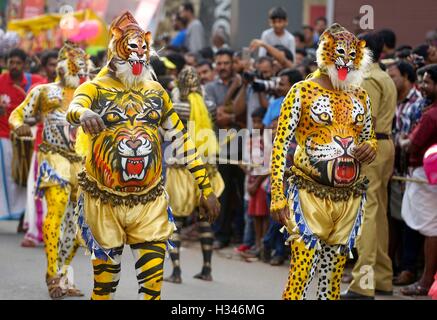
(105, 285)
(105, 288)
(148, 257)
(104, 292)
(179, 143)
(148, 246)
(151, 271)
(156, 275)
(154, 294)
(205, 186)
(73, 116)
(201, 179)
(179, 122)
(189, 152)
(197, 168)
(168, 114)
(106, 268)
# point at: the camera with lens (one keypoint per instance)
(259, 84)
(249, 76)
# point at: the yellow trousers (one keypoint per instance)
(373, 269)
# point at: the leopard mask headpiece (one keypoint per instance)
(342, 56)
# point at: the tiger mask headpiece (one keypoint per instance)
(342, 56)
(129, 51)
(73, 66)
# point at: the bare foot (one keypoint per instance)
(205, 277)
(174, 279)
(205, 274)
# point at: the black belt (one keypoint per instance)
(382, 136)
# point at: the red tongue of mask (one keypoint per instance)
(82, 80)
(137, 68)
(342, 73)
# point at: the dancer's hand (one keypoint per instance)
(24, 131)
(281, 216)
(91, 122)
(365, 153)
(210, 207)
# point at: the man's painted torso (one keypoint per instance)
(49, 102)
(330, 126)
(57, 131)
(126, 156)
(327, 125)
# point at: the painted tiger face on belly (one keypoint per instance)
(127, 155)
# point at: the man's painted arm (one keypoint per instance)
(29, 108)
(287, 123)
(81, 103)
(185, 147)
(368, 133)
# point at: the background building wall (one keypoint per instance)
(410, 20)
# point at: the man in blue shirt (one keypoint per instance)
(288, 78)
(180, 25)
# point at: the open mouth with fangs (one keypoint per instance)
(134, 168)
(345, 170)
(342, 71)
(137, 66)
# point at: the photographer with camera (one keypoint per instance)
(257, 89)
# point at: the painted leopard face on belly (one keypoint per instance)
(328, 133)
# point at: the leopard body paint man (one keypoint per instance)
(58, 162)
(330, 117)
(122, 199)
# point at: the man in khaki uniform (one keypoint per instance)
(373, 269)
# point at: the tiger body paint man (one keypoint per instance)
(122, 199)
(330, 117)
(58, 162)
(189, 104)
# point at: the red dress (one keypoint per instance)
(258, 206)
(258, 202)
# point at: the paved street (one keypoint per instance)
(22, 274)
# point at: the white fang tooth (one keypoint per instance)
(123, 162)
(141, 176)
(125, 176)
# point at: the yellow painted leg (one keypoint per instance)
(106, 277)
(330, 269)
(57, 199)
(302, 268)
(149, 266)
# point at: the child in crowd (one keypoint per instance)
(278, 34)
(258, 206)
